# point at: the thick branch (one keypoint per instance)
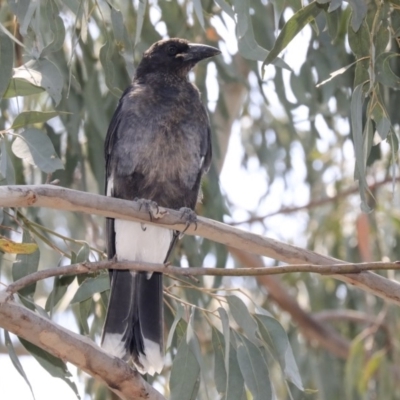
(72, 200)
(76, 349)
(90, 267)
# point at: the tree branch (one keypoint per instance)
(76, 349)
(91, 267)
(73, 200)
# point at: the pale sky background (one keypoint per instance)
(243, 188)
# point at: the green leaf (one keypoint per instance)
(139, 19)
(235, 387)
(198, 9)
(91, 286)
(53, 365)
(15, 360)
(384, 72)
(83, 254)
(123, 40)
(26, 264)
(185, 374)
(357, 131)
(32, 117)
(220, 375)
(254, 369)
(36, 148)
(243, 318)
(359, 11)
(226, 331)
(248, 46)
(47, 76)
(56, 26)
(106, 56)
(6, 165)
(278, 342)
(178, 316)
(21, 87)
(6, 62)
(292, 27)
(59, 289)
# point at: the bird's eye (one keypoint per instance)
(172, 50)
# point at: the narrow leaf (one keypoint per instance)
(359, 11)
(139, 19)
(91, 286)
(32, 117)
(254, 369)
(185, 373)
(178, 316)
(220, 376)
(292, 27)
(53, 365)
(6, 165)
(242, 317)
(198, 9)
(15, 360)
(26, 264)
(6, 62)
(278, 343)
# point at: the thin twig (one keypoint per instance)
(92, 267)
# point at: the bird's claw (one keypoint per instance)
(155, 212)
(191, 218)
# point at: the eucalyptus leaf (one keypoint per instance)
(178, 316)
(243, 318)
(53, 365)
(35, 147)
(185, 374)
(91, 286)
(292, 27)
(15, 360)
(6, 165)
(254, 369)
(139, 19)
(6, 62)
(32, 117)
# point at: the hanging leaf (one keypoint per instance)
(91, 286)
(185, 374)
(26, 264)
(254, 369)
(198, 9)
(292, 27)
(6, 165)
(32, 117)
(359, 11)
(178, 316)
(53, 365)
(220, 375)
(278, 343)
(243, 318)
(6, 62)
(35, 147)
(139, 19)
(15, 360)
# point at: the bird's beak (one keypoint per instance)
(198, 52)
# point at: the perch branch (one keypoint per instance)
(73, 200)
(76, 349)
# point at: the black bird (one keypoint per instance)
(158, 146)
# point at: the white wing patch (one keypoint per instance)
(110, 185)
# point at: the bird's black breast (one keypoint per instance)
(160, 141)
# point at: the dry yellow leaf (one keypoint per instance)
(8, 246)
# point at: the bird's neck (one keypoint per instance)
(162, 78)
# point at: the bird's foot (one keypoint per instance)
(155, 212)
(191, 218)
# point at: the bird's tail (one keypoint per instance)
(134, 321)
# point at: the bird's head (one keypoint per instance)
(174, 56)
